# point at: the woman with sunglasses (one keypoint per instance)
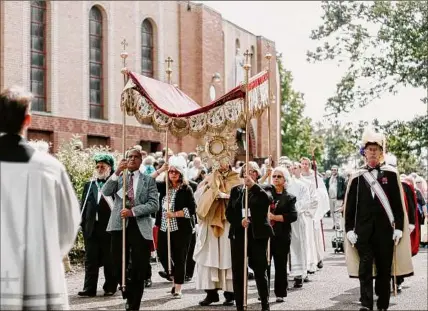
(259, 232)
(282, 214)
(182, 208)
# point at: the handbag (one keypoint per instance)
(424, 231)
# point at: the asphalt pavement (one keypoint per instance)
(330, 289)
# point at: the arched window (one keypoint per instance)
(38, 55)
(96, 99)
(147, 49)
(237, 46)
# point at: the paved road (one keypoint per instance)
(330, 289)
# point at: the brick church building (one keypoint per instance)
(68, 54)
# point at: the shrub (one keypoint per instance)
(80, 166)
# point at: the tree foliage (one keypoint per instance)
(297, 134)
(408, 141)
(384, 43)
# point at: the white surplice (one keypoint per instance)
(40, 217)
(323, 206)
(308, 216)
(213, 260)
(299, 244)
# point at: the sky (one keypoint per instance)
(289, 24)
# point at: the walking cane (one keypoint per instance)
(124, 70)
(168, 223)
(395, 264)
(247, 67)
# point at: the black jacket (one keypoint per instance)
(183, 198)
(285, 205)
(92, 208)
(341, 186)
(370, 215)
(258, 205)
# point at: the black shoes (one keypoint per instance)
(228, 302)
(298, 283)
(148, 283)
(320, 265)
(187, 278)
(165, 275)
(209, 300)
(86, 293)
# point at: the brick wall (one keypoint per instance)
(200, 42)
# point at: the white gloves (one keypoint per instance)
(411, 228)
(352, 237)
(397, 235)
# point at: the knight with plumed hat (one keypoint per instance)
(376, 224)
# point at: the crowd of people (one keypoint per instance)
(196, 221)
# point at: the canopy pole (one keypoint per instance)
(168, 61)
(268, 57)
(247, 67)
(124, 71)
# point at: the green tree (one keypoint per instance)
(408, 141)
(297, 133)
(339, 148)
(384, 43)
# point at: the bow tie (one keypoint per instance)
(377, 167)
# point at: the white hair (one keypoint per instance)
(284, 173)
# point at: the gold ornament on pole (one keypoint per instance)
(124, 71)
(168, 61)
(247, 67)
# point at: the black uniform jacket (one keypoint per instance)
(92, 208)
(365, 213)
(258, 205)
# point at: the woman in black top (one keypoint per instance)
(282, 214)
(182, 208)
(259, 232)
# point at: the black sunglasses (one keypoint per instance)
(277, 176)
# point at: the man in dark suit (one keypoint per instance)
(336, 188)
(96, 211)
(141, 198)
(259, 232)
(374, 221)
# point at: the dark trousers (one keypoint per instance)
(97, 254)
(179, 247)
(257, 261)
(380, 249)
(190, 265)
(138, 253)
(279, 250)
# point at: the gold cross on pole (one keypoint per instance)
(124, 43)
(248, 56)
(169, 61)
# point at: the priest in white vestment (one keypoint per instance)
(39, 215)
(212, 250)
(323, 206)
(299, 239)
(308, 215)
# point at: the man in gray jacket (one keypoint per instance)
(141, 197)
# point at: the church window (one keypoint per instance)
(96, 89)
(38, 56)
(147, 63)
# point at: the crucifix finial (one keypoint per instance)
(169, 61)
(247, 55)
(124, 43)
